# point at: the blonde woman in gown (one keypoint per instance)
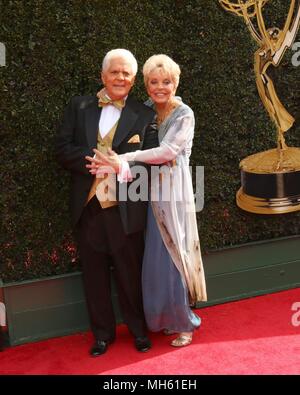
(173, 275)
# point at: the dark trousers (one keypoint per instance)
(1, 339)
(104, 245)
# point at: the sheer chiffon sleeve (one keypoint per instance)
(172, 144)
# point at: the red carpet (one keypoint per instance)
(252, 336)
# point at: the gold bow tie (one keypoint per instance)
(104, 100)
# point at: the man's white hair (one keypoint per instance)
(120, 53)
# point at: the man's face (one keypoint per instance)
(118, 78)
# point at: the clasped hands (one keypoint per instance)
(103, 164)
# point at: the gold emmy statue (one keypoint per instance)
(270, 179)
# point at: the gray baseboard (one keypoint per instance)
(55, 306)
(45, 308)
(252, 269)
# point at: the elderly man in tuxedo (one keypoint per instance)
(110, 233)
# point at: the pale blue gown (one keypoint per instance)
(173, 274)
(165, 296)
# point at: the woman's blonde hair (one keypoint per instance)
(162, 63)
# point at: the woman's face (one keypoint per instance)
(160, 87)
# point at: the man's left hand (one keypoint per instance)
(111, 161)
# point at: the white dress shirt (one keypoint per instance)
(108, 118)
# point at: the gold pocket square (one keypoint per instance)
(134, 139)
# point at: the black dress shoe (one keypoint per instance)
(142, 344)
(100, 347)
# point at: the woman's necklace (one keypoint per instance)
(166, 111)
